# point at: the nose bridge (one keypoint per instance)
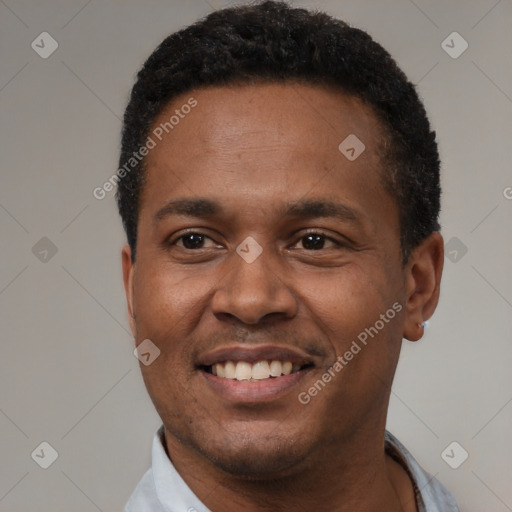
(253, 273)
(253, 288)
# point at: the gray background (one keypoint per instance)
(67, 372)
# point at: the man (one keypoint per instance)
(279, 186)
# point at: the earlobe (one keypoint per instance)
(128, 277)
(422, 282)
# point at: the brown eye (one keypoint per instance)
(192, 240)
(313, 242)
(316, 241)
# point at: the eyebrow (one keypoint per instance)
(197, 207)
(308, 209)
(304, 208)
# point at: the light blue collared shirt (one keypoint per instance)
(162, 489)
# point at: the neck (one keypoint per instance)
(355, 476)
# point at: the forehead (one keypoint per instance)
(270, 112)
(265, 142)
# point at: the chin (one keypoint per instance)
(252, 453)
(257, 460)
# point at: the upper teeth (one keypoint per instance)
(242, 370)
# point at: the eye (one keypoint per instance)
(314, 241)
(193, 240)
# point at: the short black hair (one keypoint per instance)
(271, 41)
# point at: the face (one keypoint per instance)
(263, 256)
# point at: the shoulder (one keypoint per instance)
(144, 496)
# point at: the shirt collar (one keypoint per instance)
(431, 495)
(163, 484)
(170, 488)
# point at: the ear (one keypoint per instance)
(128, 271)
(422, 284)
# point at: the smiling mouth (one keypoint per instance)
(253, 372)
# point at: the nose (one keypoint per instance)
(253, 291)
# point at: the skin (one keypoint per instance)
(254, 149)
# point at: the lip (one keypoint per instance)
(253, 354)
(267, 390)
(245, 392)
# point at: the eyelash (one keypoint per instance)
(310, 231)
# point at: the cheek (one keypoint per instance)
(167, 309)
(359, 311)
(349, 300)
(166, 299)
